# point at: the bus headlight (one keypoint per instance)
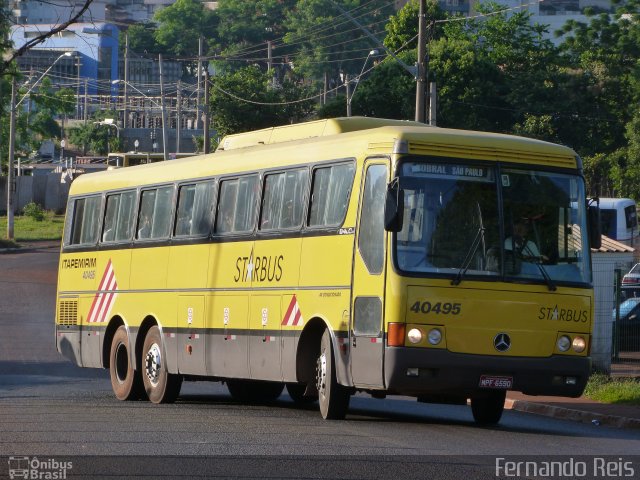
(564, 343)
(435, 336)
(579, 344)
(414, 335)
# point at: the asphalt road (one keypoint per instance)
(51, 409)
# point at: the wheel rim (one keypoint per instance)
(321, 374)
(153, 364)
(121, 362)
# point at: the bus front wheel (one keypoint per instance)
(487, 410)
(160, 385)
(333, 397)
(125, 381)
(296, 392)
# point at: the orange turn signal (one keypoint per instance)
(396, 334)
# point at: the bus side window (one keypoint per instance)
(330, 194)
(193, 215)
(154, 218)
(282, 205)
(86, 220)
(237, 205)
(118, 217)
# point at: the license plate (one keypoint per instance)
(492, 381)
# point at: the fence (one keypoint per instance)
(625, 315)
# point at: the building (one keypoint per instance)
(95, 49)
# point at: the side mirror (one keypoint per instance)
(595, 232)
(394, 207)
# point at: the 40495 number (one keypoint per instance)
(437, 308)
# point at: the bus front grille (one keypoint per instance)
(68, 312)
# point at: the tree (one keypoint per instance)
(93, 137)
(251, 24)
(142, 39)
(325, 41)
(181, 24)
(245, 100)
(402, 28)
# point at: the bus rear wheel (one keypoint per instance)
(160, 385)
(254, 391)
(296, 392)
(125, 381)
(333, 397)
(487, 410)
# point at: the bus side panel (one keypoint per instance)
(227, 312)
(188, 265)
(325, 269)
(264, 340)
(274, 339)
(227, 344)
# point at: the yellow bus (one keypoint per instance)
(332, 257)
(132, 159)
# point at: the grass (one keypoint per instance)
(606, 389)
(27, 229)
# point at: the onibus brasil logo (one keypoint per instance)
(33, 468)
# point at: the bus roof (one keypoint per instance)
(335, 139)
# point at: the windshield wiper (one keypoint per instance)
(479, 238)
(537, 259)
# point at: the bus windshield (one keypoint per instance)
(490, 222)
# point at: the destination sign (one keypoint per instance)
(447, 170)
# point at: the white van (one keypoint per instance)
(618, 219)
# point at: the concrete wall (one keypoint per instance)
(45, 190)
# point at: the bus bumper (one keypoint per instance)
(417, 371)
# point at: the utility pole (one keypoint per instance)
(10, 179)
(207, 140)
(432, 103)
(421, 79)
(86, 99)
(163, 111)
(347, 83)
(326, 87)
(198, 96)
(178, 116)
(125, 112)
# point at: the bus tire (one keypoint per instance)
(488, 410)
(254, 391)
(333, 397)
(125, 381)
(296, 392)
(160, 385)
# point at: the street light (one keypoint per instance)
(110, 123)
(350, 97)
(63, 144)
(161, 106)
(12, 142)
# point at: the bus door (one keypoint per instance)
(366, 330)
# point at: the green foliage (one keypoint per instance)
(606, 389)
(326, 42)
(95, 138)
(403, 26)
(34, 211)
(141, 39)
(284, 104)
(28, 229)
(181, 24)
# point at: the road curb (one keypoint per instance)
(571, 414)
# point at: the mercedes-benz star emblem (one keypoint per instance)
(502, 342)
